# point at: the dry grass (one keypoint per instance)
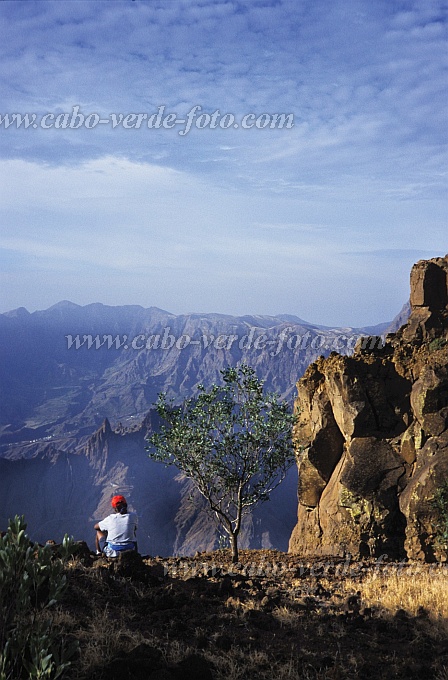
(103, 638)
(396, 589)
(237, 604)
(262, 628)
(249, 664)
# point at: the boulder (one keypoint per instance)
(429, 284)
(317, 461)
(417, 505)
(429, 400)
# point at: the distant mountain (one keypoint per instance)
(70, 371)
(65, 369)
(400, 319)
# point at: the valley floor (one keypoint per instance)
(274, 615)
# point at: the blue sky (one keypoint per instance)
(323, 220)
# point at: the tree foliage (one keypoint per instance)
(233, 441)
(31, 583)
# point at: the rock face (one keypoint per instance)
(372, 436)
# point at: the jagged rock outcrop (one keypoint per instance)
(372, 436)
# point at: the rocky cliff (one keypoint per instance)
(372, 436)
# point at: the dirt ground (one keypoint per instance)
(273, 615)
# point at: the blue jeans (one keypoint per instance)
(112, 550)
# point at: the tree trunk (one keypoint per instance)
(234, 546)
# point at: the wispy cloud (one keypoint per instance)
(395, 253)
(361, 173)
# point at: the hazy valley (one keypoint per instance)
(60, 461)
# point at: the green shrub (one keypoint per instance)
(32, 581)
(437, 344)
(440, 503)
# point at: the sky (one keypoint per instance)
(321, 217)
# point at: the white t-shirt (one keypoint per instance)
(121, 529)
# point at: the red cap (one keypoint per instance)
(118, 500)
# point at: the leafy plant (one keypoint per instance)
(232, 440)
(440, 503)
(437, 344)
(223, 542)
(32, 581)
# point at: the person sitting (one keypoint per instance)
(117, 532)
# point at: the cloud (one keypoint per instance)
(365, 84)
(362, 171)
(394, 253)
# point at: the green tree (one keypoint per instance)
(234, 441)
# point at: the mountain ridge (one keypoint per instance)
(52, 387)
(73, 421)
(67, 305)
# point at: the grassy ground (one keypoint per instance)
(273, 616)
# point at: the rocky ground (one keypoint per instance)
(273, 615)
